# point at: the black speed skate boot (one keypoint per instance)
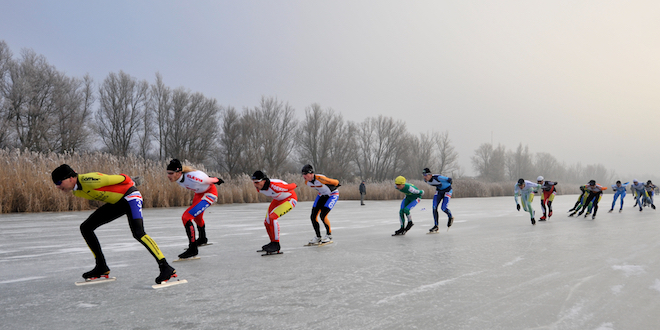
(272, 248)
(533, 221)
(202, 240)
(191, 252)
(166, 272)
(98, 272)
(410, 224)
(401, 231)
(450, 222)
(434, 229)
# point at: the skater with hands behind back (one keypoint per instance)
(122, 198)
(205, 195)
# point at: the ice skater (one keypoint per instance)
(412, 198)
(650, 191)
(639, 190)
(443, 192)
(327, 197)
(619, 192)
(548, 193)
(205, 195)
(595, 194)
(121, 198)
(526, 189)
(284, 200)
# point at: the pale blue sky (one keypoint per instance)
(577, 79)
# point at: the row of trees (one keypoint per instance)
(42, 110)
(496, 164)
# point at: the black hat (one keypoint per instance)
(307, 169)
(521, 182)
(258, 176)
(175, 165)
(63, 172)
(426, 171)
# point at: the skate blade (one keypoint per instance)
(96, 281)
(319, 244)
(205, 244)
(435, 232)
(169, 282)
(185, 259)
(271, 253)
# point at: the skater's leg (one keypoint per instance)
(134, 204)
(435, 209)
(101, 216)
(315, 221)
(326, 221)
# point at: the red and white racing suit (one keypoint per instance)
(284, 200)
(205, 195)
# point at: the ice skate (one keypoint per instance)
(550, 214)
(314, 241)
(593, 217)
(190, 252)
(450, 222)
(434, 229)
(572, 214)
(399, 232)
(202, 241)
(610, 211)
(326, 239)
(410, 224)
(97, 272)
(653, 206)
(587, 214)
(272, 247)
(533, 221)
(542, 218)
(166, 272)
(620, 210)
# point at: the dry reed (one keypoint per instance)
(27, 186)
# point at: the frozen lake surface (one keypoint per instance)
(492, 270)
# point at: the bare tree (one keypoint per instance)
(73, 107)
(231, 141)
(380, 148)
(519, 163)
(489, 162)
(447, 155)
(597, 172)
(548, 166)
(5, 62)
(161, 106)
(269, 134)
(324, 140)
(120, 117)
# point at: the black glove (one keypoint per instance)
(518, 207)
(449, 180)
(220, 181)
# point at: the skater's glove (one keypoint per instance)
(518, 207)
(219, 182)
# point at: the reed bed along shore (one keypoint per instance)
(27, 186)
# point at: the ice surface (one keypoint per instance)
(492, 270)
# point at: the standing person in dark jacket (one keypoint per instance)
(363, 191)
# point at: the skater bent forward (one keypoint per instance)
(284, 200)
(122, 198)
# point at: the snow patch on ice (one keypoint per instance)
(656, 285)
(424, 288)
(606, 326)
(24, 279)
(513, 261)
(629, 270)
(85, 305)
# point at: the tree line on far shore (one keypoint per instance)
(43, 110)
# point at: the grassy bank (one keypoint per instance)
(27, 187)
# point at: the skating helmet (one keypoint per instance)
(400, 180)
(635, 181)
(426, 171)
(307, 169)
(649, 182)
(592, 182)
(540, 178)
(521, 182)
